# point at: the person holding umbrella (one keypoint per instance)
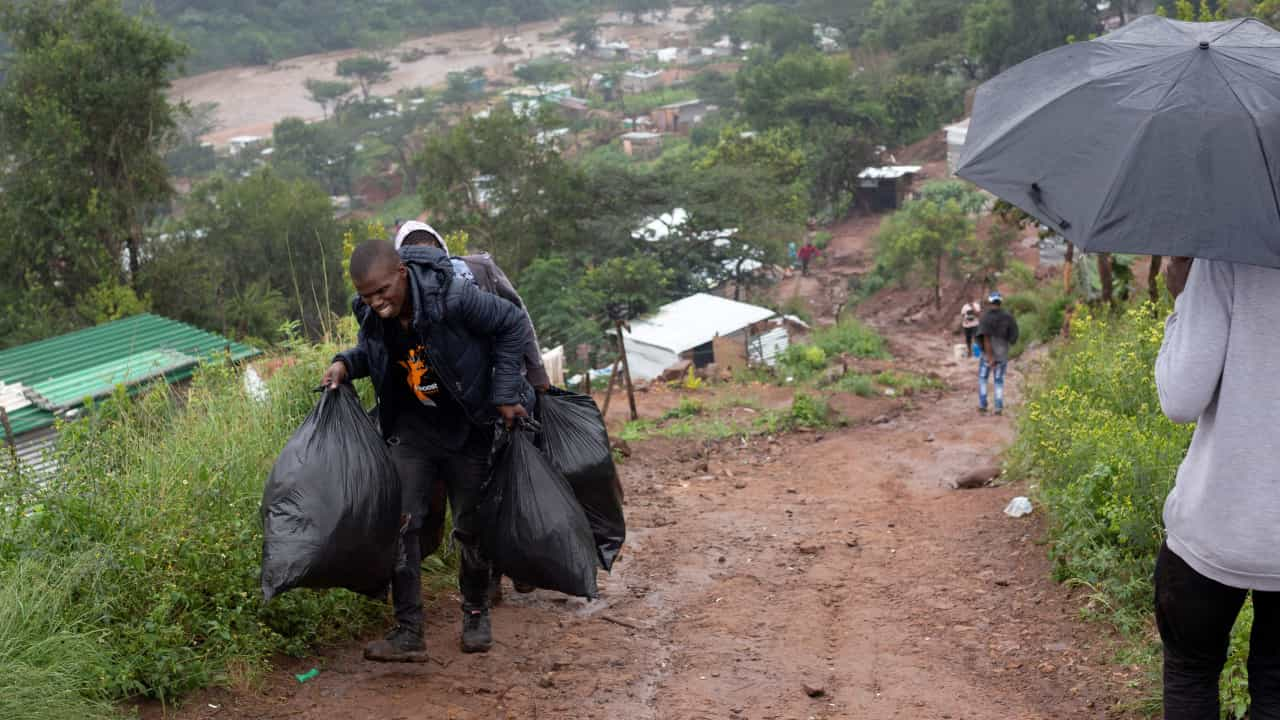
(1163, 138)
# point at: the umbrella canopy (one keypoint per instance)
(1162, 138)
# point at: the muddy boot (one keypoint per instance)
(402, 644)
(477, 634)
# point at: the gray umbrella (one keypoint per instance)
(1162, 138)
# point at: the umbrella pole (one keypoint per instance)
(1153, 278)
(1066, 269)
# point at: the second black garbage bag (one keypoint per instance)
(538, 533)
(574, 438)
(331, 508)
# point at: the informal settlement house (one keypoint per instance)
(703, 329)
(51, 379)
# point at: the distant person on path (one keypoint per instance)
(446, 363)
(1217, 368)
(997, 331)
(792, 257)
(970, 316)
(806, 254)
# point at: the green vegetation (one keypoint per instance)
(51, 660)
(906, 383)
(146, 548)
(1104, 457)
(807, 412)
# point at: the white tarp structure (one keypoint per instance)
(658, 342)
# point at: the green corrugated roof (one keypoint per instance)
(30, 418)
(66, 369)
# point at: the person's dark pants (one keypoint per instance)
(427, 473)
(1195, 616)
(804, 266)
(969, 334)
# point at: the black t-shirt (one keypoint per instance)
(425, 410)
(1001, 329)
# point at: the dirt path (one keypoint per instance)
(839, 561)
(252, 99)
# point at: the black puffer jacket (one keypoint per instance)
(475, 341)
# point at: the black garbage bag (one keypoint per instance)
(537, 531)
(576, 441)
(331, 508)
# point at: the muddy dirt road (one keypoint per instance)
(807, 576)
(252, 99)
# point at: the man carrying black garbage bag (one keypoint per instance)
(446, 362)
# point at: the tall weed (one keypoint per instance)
(52, 661)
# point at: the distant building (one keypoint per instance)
(50, 380)
(573, 108)
(525, 101)
(615, 50)
(638, 81)
(703, 329)
(681, 116)
(240, 143)
(885, 188)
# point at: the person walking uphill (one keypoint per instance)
(807, 253)
(969, 318)
(997, 331)
(1217, 368)
(446, 363)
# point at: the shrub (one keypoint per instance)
(856, 383)
(851, 336)
(688, 407)
(164, 496)
(1093, 435)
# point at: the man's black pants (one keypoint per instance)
(427, 472)
(1195, 616)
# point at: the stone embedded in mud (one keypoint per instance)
(814, 691)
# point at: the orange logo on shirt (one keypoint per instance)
(417, 369)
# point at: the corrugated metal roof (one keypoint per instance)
(695, 320)
(62, 371)
(888, 172)
(30, 418)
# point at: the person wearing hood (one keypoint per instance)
(446, 362)
(413, 238)
(485, 273)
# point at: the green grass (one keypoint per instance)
(806, 412)
(1104, 456)
(52, 661)
(908, 383)
(688, 408)
(857, 384)
(851, 336)
(164, 497)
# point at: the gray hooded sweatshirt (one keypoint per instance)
(1219, 367)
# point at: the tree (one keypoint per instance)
(1002, 33)
(921, 237)
(583, 31)
(802, 86)
(327, 92)
(367, 72)
(250, 255)
(777, 28)
(84, 115)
